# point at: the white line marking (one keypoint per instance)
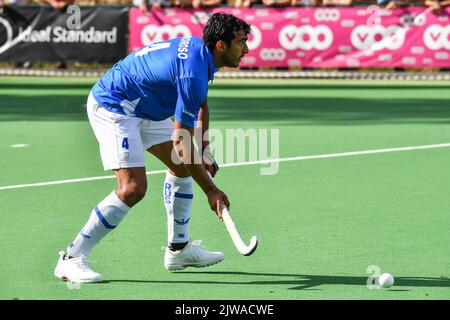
(40, 184)
(337, 155)
(20, 145)
(301, 158)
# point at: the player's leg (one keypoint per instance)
(131, 185)
(178, 195)
(104, 218)
(107, 215)
(122, 151)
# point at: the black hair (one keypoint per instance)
(225, 27)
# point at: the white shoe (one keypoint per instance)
(193, 255)
(75, 270)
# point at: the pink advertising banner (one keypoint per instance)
(316, 37)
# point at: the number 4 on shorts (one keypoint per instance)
(125, 144)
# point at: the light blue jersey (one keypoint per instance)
(160, 80)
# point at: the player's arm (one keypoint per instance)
(209, 162)
(192, 93)
(184, 147)
(203, 123)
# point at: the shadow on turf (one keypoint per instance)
(300, 282)
(278, 111)
(281, 111)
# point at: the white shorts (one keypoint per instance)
(123, 139)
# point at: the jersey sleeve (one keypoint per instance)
(192, 93)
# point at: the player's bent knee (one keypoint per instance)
(132, 193)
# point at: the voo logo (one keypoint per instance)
(272, 54)
(378, 37)
(436, 37)
(412, 20)
(153, 33)
(254, 38)
(327, 15)
(306, 37)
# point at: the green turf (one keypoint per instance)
(321, 223)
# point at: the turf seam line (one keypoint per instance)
(267, 161)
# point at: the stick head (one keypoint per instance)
(234, 233)
(240, 245)
(251, 247)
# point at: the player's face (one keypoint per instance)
(233, 54)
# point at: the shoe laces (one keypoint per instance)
(82, 263)
(198, 245)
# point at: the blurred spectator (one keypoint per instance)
(86, 2)
(243, 3)
(393, 4)
(305, 3)
(337, 3)
(115, 2)
(196, 3)
(144, 5)
(60, 5)
(4, 3)
(277, 3)
(206, 3)
(437, 5)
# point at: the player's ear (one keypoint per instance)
(220, 46)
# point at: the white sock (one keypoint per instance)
(104, 218)
(178, 195)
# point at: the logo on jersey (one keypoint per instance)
(190, 114)
(183, 48)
